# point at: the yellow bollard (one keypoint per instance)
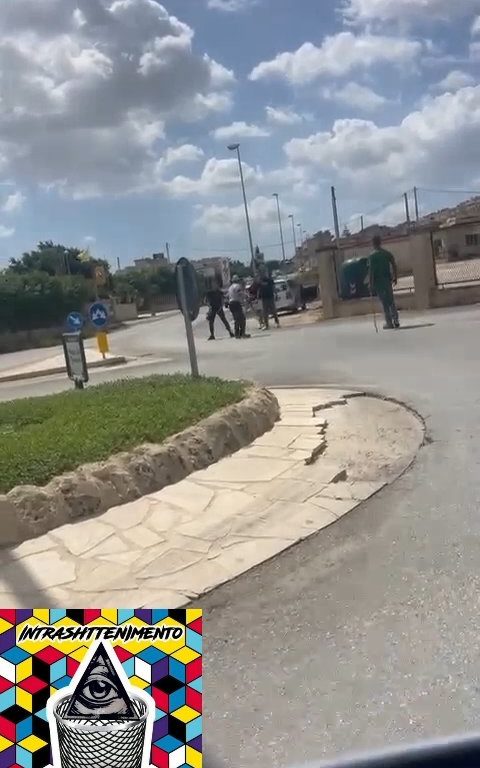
(102, 343)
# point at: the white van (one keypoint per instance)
(288, 295)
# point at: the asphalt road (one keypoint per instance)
(367, 634)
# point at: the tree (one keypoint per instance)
(240, 269)
(144, 285)
(57, 260)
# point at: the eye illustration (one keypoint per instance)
(100, 693)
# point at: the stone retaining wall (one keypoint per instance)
(30, 511)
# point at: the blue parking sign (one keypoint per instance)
(98, 315)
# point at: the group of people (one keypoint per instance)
(237, 300)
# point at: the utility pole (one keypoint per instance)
(407, 208)
(335, 215)
(292, 217)
(118, 263)
(275, 195)
(299, 226)
(361, 224)
(167, 248)
(417, 210)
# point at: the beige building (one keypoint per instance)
(458, 239)
(156, 261)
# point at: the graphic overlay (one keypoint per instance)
(106, 688)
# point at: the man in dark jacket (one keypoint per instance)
(214, 297)
(266, 292)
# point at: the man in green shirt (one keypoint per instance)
(382, 278)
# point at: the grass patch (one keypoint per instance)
(45, 436)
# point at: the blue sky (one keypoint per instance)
(115, 116)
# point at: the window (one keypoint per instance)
(472, 239)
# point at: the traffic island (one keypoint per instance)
(172, 546)
(83, 452)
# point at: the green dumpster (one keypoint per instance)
(354, 279)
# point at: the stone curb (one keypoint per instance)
(30, 511)
(119, 360)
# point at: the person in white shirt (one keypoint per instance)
(236, 299)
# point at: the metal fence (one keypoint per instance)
(457, 272)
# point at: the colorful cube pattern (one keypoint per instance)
(171, 673)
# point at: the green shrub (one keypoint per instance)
(38, 300)
(45, 436)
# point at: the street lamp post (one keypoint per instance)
(236, 148)
(275, 195)
(292, 217)
(299, 227)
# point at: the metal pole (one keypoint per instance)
(275, 195)
(417, 211)
(188, 324)
(118, 263)
(335, 214)
(361, 224)
(292, 217)
(236, 147)
(407, 207)
(167, 247)
(299, 227)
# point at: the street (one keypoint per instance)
(368, 633)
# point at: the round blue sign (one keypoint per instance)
(75, 321)
(98, 315)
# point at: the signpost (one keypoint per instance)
(102, 343)
(189, 304)
(75, 359)
(99, 318)
(75, 321)
(98, 315)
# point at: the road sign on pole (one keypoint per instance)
(98, 315)
(75, 359)
(182, 270)
(75, 321)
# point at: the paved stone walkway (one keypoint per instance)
(326, 455)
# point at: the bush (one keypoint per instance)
(45, 436)
(38, 300)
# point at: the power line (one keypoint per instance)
(450, 191)
(237, 250)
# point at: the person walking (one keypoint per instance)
(266, 292)
(214, 297)
(236, 298)
(382, 277)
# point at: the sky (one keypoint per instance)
(115, 116)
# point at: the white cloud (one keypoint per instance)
(230, 220)
(231, 6)
(476, 26)
(474, 52)
(357, 96)
(455, 80)
(217, 176)
(90, 239)
(406, 10)
(186, 153)
(337, 56)
(98, 80)
(6, 231)
(283, 116)
(239, 130)
(434, 145)
(14, 202)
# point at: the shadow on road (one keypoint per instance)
(419, 325)
(22, 583)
